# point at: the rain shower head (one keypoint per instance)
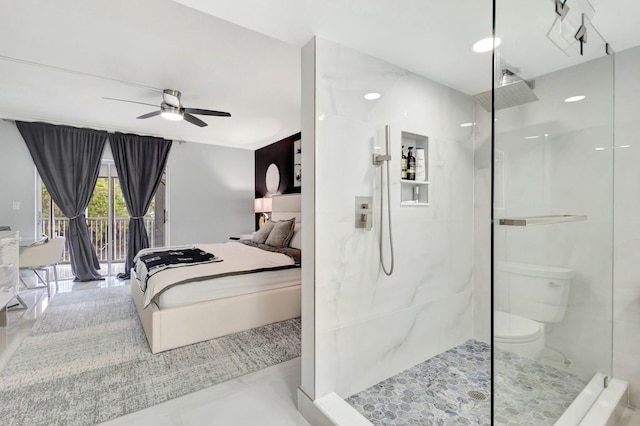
(510, 91)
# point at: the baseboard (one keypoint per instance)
(310, 411)
(330, 410)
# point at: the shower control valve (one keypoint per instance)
(363, 213)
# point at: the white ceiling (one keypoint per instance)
(130, 50)
(152, 43)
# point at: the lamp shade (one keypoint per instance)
(262, 205)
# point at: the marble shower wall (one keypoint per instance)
(555, 158)
(482, 226)
(370, 326)
(626, 308)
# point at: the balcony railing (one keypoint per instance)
(99, 229)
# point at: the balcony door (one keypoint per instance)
(107, 220)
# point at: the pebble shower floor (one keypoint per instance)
(449, 388)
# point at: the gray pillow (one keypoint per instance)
(281, 233)
(261, 236)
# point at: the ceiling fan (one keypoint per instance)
(171, 108)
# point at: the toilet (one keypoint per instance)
(527, 297)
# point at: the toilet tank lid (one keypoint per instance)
(530, 269)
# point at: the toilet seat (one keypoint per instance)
(509, 328)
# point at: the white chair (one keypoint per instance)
(41, 257)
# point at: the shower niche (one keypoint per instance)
(415, 192)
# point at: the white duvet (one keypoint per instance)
(237, 258)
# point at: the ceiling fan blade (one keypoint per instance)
(131, 102)
(207, 112)
(194, 120)
(149, 115)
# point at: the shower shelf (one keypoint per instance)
(413, 203)
(541, 220)
(415, 192)
(415, 182)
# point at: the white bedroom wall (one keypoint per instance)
(17, 183)
(370, 326)
(210, 193)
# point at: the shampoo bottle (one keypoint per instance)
(404, 164)
(411, 165)
(421, 170)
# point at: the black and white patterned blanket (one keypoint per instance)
(159, 260)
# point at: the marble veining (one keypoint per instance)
(370, 326)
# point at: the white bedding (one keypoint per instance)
(219, 288)
(237, 257)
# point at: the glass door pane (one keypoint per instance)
(553, 215)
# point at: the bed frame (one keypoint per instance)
(184, 325)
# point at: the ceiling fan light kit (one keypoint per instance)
(170, 112)
(172, 109)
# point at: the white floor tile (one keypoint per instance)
(266, 397)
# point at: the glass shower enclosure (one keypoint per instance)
(553, 158)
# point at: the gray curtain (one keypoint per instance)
(140, 161)
(68, 161)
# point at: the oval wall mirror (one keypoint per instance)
(272, 179)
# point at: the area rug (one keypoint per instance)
(87, 361)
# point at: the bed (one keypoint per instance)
(190, 312)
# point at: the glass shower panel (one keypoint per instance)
(553, 208)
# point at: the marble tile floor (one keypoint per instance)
(434, 392)
(266, 397)
(528, 393)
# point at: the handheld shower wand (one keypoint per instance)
(378, 160)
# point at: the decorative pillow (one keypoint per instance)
(296, 240)
(281, 233)
(263, 233)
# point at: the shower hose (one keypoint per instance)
(390, 271)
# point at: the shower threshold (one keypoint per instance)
(597, 405)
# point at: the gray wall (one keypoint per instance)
(210, 193)
(17, 183)
(210, 189)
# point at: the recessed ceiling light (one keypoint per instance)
(321, 117)
(486, 44)
(574, 98)
(599, 149)
(546, 135)
(467, 124)
(532, 137)
(372, 96)
(625, 146)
